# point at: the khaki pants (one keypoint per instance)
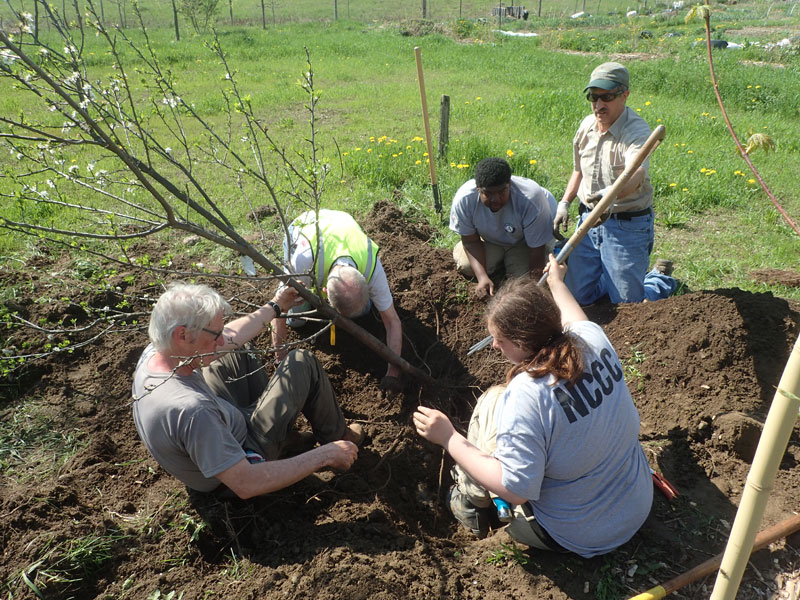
(272, 404)
(516, 259)
(482, 433)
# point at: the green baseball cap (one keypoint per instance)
(608, 76)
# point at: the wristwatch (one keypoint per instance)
(274, 306)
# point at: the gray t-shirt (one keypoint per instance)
(575, 454)
(192, 433)
(527, 217)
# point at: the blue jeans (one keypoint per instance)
(612, 259)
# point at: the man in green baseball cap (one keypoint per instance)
(612, 258)
(609, 76)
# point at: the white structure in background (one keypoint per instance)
(677, 5)
(517, 33)
(631, 13)
(578, 15)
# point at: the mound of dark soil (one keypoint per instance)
(703, 368)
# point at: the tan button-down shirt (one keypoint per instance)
(601, 158)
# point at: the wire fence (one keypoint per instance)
(266, 13)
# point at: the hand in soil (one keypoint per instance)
(433, 425)
(484, 289)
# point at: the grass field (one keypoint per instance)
(518, 97)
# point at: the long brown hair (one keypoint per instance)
(526, 314)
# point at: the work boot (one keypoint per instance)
(664, 266)
(354, 433)
(473, 518)
(297, 442)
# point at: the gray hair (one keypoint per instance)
(183, 304)
(347, 291)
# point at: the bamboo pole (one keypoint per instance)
(771, 447)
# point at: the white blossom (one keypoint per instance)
(168, 150)
(73, 168)
(7, 57)
(90, 166)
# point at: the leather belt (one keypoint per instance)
(622, 216)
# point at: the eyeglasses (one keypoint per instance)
(608, 97)
(216, 334)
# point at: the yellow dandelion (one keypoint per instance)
(658, 120)
(638, 110)
(394, 155)
(673, 185)
(509, 153)
(749, 87)
(522, 106)
(684, 189)
(424, 154)
(532, 161)
(703, 170)
(648, 103)
(751, 180)
(690, 152)
(758, 86)
(467, 102)
(372, 138)
(357, 149)
(369, 149)
(477, 97)
(346, 154)
(416, 138)
(418, 162)
(452, 164)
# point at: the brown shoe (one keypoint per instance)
(354, 433)
(297, 442)
(664, 266)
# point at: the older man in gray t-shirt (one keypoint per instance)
(504, 221)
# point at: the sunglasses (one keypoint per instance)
(216, 334)
(608, 97)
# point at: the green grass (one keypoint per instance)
(66, 563)
(513, 97)
(34, 444)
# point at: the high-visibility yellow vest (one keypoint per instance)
(340, 237)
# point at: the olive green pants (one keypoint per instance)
(271, 405)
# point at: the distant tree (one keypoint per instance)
(175, 21)
(201, 13)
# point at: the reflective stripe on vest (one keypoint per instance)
(341, 237)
